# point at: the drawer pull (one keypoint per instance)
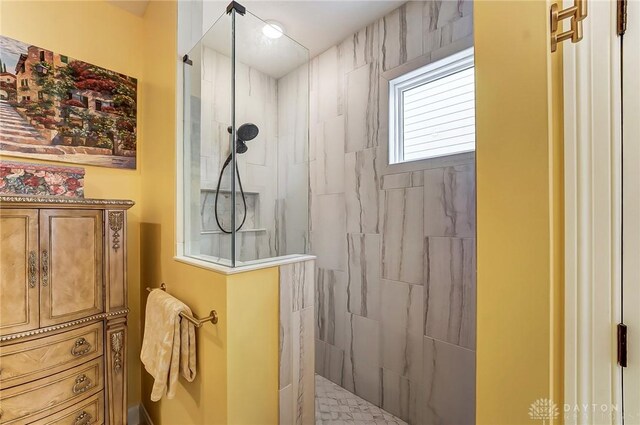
(33, 269)
(82, 384)
(81, 347)
(83, 418)
(45, 268)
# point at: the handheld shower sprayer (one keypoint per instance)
(244, 133)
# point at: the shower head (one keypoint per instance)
(244, 133)
(247, 132)
(241, 147)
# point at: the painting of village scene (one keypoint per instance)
(58, 108)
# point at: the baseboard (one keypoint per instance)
(144, 416)
(138, 415)
(133, 415)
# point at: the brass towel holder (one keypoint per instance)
(212, 317)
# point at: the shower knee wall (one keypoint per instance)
(395, 280)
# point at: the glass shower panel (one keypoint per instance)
(272, 93)
(207, 115)
(248, 108)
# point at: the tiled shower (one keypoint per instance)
(395, 279)
(394, 298)
(274, 169)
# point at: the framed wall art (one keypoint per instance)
(55, 107)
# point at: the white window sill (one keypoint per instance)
(428, 164)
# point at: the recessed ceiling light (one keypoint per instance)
(273, 29)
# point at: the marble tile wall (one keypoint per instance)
(296, 354)
(395, 278)
(292, 213)
(257, 102)
(208, 219)
(275, 169)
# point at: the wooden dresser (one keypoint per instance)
(63, 311)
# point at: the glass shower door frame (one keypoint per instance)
(232, 142)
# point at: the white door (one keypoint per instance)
(631, 211)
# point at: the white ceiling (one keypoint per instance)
(318, 25)
(315, 24)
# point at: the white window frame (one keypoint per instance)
(423, 75)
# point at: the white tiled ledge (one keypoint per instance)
(220, 232)
(246, 266)
(227, 191)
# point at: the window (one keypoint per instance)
(432, 110)
(40, 96)
(41, 55)
(64, 59)
(101, 105)
(84, 100)
(24, 82)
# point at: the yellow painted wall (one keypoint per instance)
(233, 369)
(519, 210)
(237, 379)
(253, 332)
(204, 400)
(104, 35)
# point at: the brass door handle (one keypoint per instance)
(83, 418)
(45, 268)
(83, 383)
(33, 270)
(80, 347)
(576, 14)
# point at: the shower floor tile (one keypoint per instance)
(337, 406)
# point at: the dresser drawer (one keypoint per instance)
(87, 412)
(36, 400)
(28, 361)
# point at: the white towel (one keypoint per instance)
(169, 343)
